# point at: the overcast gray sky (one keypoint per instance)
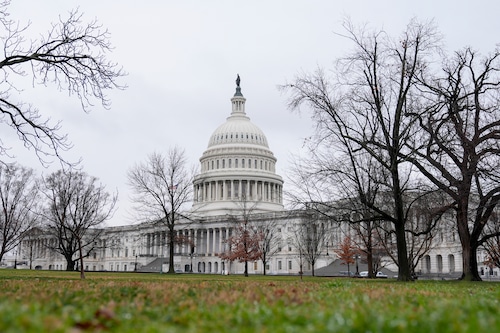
(183, 56)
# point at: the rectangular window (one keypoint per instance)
(255, 266)
(290, 264)
(279, 264)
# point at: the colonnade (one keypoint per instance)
(36, 247)
(190, 242)
(252, 190)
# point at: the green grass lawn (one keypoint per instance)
(42, 301)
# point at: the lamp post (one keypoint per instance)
(135, 267)
(356, 256)
(326, 248)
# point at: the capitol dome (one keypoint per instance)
(237, 168)
(238, 129)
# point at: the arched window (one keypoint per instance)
(439, 260)
(451, 263)
(427, 264)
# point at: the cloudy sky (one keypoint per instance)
(182, 58)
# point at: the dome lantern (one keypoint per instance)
(238, 100)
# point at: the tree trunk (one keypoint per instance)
(469, 264)
(80, 252)
(246, 268)
(404, 273)
(171, 245)
(369, 260)
(70, 264)
(469, 258)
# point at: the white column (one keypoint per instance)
(214, 247)
(232, 190)
(220, 241)
(207, 249)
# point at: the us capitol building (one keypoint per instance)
(236, 164)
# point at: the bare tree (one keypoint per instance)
(71, 56)
(19, 200)
(162, 186)
(459, 146)
(270, 240)
(309, 237)
(76, 206)
(364, 110)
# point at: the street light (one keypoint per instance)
(135, 268)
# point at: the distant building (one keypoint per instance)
(237, 174)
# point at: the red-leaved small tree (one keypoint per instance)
(243, 245)
(347, 252)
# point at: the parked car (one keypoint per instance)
(379, 275)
